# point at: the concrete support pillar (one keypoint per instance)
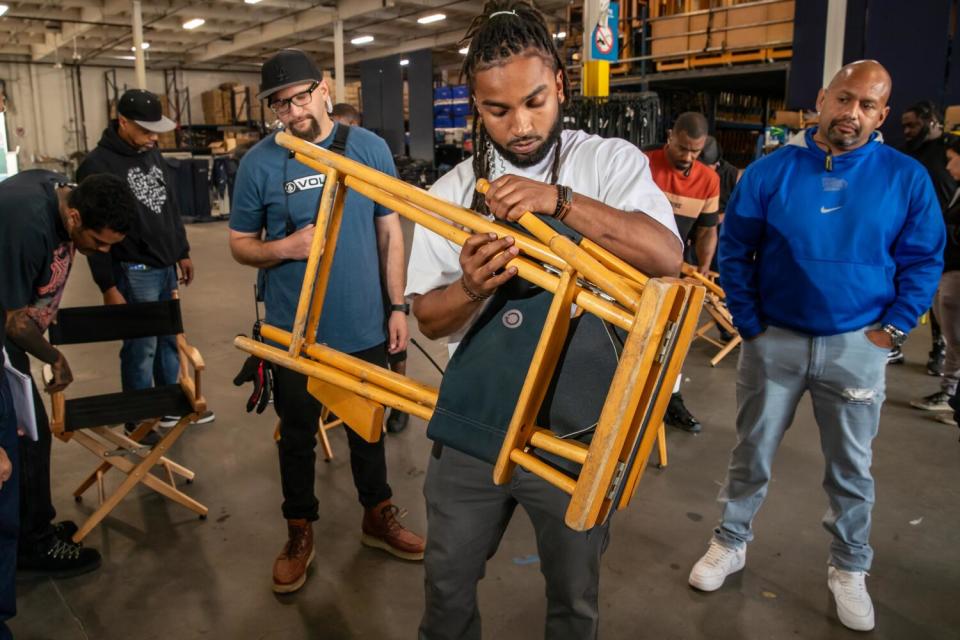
(139, 65)
(833, 46)
(341, 87)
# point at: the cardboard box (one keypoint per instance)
(794, 119)
(951, 118)
(213, 107)
(740, 27)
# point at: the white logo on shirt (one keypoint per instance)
(302, 184)
(512, 319)
(830, 210)
(148, 187)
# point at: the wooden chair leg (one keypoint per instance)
(324, 440)
(662, 446)
(100, 491)
(139, 473)
(120, 440)
(723, 353)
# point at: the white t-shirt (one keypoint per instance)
(610, 170)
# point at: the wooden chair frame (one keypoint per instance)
(114, 448)
(715, 304)
(658, 314)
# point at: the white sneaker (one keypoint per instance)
(854, 606)
(714, 567)
(204, 418)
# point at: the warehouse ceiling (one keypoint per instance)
(235, 34)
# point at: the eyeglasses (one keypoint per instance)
(302, 99)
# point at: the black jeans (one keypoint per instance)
(299, 415)
(9, 510)
(36, 506)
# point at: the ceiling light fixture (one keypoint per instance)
(436, 17)
(561, 35)
(193, 24)
(4, 8)
(252, 1)
(143, 45)
(362, 40)
(464, 51)
(404, 62)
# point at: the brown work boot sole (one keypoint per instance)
(295, 586)
(378, 543)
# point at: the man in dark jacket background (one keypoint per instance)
(143, 268)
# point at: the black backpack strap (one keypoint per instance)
(340, 139)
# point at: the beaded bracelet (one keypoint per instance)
(476, 297)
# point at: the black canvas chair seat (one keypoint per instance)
(126, 407)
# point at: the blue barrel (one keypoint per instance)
(459, 122)
(442, 122)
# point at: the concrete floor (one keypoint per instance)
(166, 574)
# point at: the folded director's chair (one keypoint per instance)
(656, 317)
(715, 304)
(87, 420)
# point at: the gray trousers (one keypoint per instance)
(467, 515)
(947, 306)
(845, 377)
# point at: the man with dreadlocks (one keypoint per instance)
(601, 189)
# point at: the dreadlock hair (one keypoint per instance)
(491, 41)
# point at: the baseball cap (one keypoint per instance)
(289, 67)
(144, 108)
(711, 151)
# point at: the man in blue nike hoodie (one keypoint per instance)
(831, 249)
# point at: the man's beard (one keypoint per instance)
(537, 156)
(843, 140)
(311, 133)
(914, 143)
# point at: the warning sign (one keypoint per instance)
(604, 43)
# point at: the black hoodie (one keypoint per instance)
(157, 237)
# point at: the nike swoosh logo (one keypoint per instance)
(830, 210)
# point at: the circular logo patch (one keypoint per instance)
(512, 319)
(290, 187)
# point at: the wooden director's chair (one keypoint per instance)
(715, 304)
(87, 420)
(659, 316)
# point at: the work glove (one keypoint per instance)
(260, 373)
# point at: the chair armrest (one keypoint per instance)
(191, 353)
(191, 358)
(58, 406)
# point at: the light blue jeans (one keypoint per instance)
(845, 377)
(148, 361)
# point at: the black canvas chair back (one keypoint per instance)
(103, 323)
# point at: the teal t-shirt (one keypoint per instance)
(269, 185)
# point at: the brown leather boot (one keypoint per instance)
(382, 530)
(290, 567)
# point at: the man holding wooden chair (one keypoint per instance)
(601, 189)
(271, 228)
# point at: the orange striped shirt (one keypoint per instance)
(695, 198)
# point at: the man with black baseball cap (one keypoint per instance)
(143, 268)
(271, 228)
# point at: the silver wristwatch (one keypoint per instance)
(896, 336)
